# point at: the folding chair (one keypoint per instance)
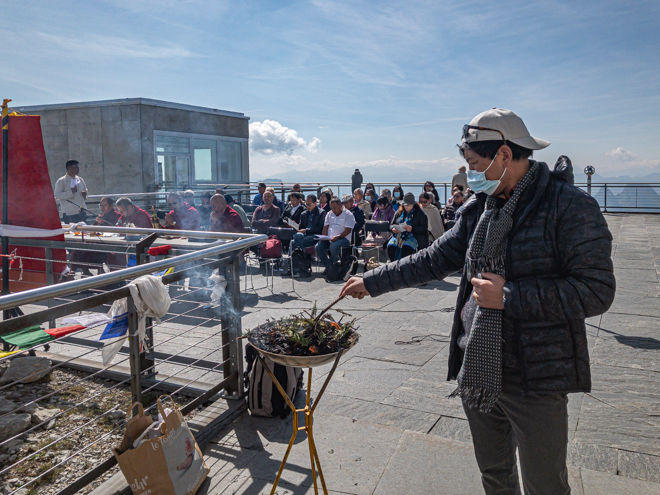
(376, 227)
(285, 234)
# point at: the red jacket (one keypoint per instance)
(187, 219)
(229, 221)
(139, 218)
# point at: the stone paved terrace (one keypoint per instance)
(386, 427)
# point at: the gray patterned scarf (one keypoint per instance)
(480, 378)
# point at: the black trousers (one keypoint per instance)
(405, 251)
(536, 423)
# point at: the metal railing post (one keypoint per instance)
(50, 279)
(445, 184)
(605, 205)
(232, 329)
(134, 350)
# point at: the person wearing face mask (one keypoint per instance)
(534, 253)
(410, 228)
(397, 196)
(370, 197)
(449, 212)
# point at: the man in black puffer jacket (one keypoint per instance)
(556, 271)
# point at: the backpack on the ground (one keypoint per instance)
(344, 268)
(263, 397)
(301, 263)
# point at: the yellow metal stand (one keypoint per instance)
(309, 420)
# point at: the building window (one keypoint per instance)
(184, 160)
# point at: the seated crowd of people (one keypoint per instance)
(326, 223)
(329, 224)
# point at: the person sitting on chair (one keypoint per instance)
(357, 212)
(223, 217)
(131, 214)
(182, 216)
(294, 209)
(109, 216)
(311, 224)
(362, 203)
(204, 209)
(266, 215)
(436, 226)
(238, 208)
(410, 229)
(338, 225)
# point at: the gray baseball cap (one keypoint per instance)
(498, 123)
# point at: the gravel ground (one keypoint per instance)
(67, 431)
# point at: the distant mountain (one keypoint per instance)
(397, 174)
(370, 174)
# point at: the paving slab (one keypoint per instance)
(382, 414)
(353, 456)
(427, 464)
(368, 379)
(597, 483)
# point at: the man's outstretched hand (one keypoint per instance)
(354, 287)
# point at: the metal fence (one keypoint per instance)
(610, 196)
(192, 352)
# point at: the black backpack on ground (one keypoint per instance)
(346, 267)
(263, 397)
(301, 263)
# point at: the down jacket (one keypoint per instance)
(558, 272)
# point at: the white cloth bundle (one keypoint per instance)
(151, 298)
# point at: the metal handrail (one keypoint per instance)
(58, 290)
(169, 232)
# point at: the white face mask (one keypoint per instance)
(478, 183)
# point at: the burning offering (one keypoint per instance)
(310, 338)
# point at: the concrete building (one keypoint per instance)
(141, 145)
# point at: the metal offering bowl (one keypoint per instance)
(296, 361)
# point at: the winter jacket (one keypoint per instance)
(357, 212)
(313, 221)
(420, 226)
(558, 272)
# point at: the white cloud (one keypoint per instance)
(96, 45)
(299, 168)
(621, 155)
(270, 137)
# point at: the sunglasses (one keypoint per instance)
(423, 202)
(456, 196)
(467, 127)
(172, 204)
